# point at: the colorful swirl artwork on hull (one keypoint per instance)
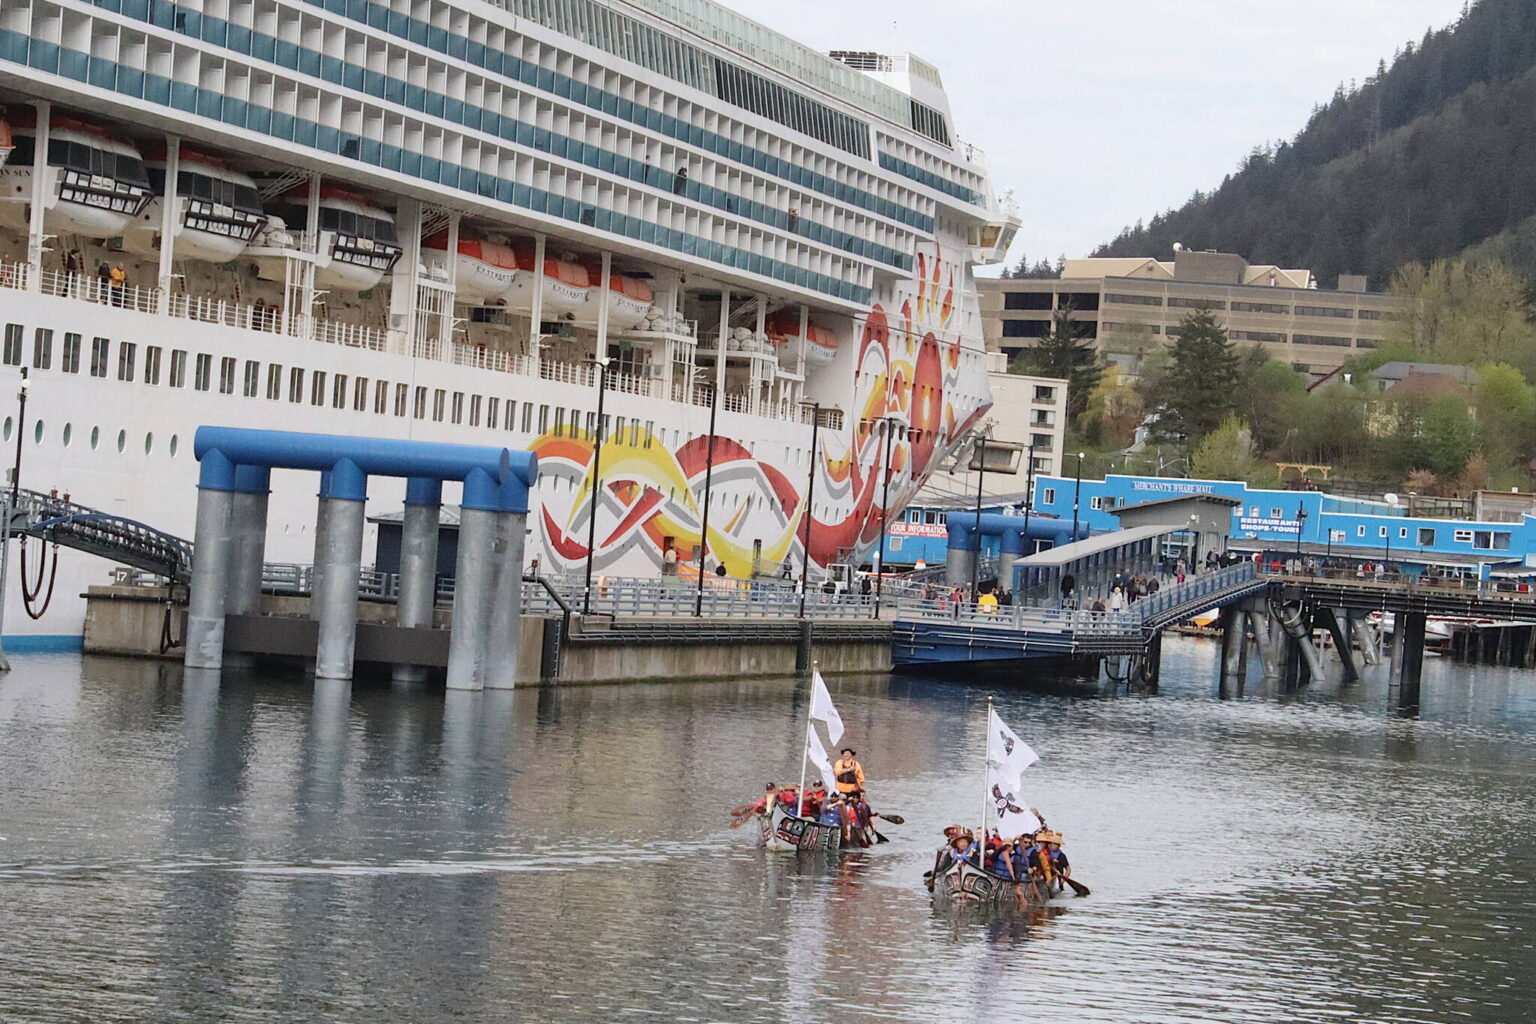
(653, 495)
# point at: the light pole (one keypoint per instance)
(709, 478)
(597, 484)
(1301, 521)
(1077, 494)
(10, 510)
(890, 423)
(1029, 490)
(979, 460)
(1392, 503)
(810, 505)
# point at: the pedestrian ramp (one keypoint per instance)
(940, 632)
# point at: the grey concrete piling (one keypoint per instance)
(505, 630)
(207, 602)
(335, 599)
(248, 529)
(417, 595)
(472, 598)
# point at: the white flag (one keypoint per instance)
(818, 755)
(823, 711)
(1007, 755)
(1010, 814)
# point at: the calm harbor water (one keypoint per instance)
(270, 850)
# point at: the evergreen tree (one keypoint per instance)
(1202, 385)
(1065, 354)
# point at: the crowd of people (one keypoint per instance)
(1033, 857)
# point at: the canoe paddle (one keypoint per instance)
(1077, 887)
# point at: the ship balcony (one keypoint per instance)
(990, 238)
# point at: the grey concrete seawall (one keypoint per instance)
(133, 621)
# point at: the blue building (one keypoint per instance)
(1315, 524)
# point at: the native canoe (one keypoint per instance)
(787, 832)
(963, 882)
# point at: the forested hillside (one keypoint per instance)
(1432, 156)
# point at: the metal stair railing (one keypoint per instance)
(105, 534)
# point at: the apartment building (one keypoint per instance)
(1130, 305)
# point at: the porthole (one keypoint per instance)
(37, 432)
(9, 426)
(122, 440)
(149, 444)
(69, 433)
(175, 443)
(95, 438)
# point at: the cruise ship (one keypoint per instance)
(461, 220)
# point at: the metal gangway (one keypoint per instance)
(129, 542)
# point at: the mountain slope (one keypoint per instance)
(1432, 156)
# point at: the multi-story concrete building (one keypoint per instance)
(1130, 305)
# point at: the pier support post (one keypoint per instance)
(1262, 623)
(248, 529)
(803, 647)
(1368, 649)
(959, 564)
(417, 594)
(474, 582)
(335, 596)
(1231, 642)
(1410, 640)
(1341, 643)
(211, 551)
(507, 606)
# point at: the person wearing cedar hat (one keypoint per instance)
(850, 774)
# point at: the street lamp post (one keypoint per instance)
(1077, 493)
(1301, 521)
(597, 484)
(1029, 490)
(979, 458)
(810, 504)
(10, 510)
(885, 508)
(709, 477)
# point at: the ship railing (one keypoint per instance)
(647, 597)
(336, 332)
(483, 358)
(568, 373)
(630, 384)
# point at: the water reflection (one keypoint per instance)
(258, 847)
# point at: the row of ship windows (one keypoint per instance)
(556, 201)
(399, 66)
(316, 388)
(517, 126)
(67, 437)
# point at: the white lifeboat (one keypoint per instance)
(482, 271)
(218, 210)
(629, 299)
(565, 284)
(784, 330)
(96, 184)
(356, 248)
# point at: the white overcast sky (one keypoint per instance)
(1100, 112)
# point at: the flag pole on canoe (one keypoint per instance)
(986, 794)
(805, 749)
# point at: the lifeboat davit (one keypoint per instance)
(96, 184)
(565, 284)
(218, 210)
(356, 248)
(483, 270)
(629, 299)
(784, 329)
(6, 142)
